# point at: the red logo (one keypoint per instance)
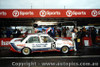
(69, 13)
(94, 13)
(15, 13)
(42, 13)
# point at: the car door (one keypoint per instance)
(49, 42)
(34, 43)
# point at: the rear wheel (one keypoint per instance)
(26, 51)
(64, 49)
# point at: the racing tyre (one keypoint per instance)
(26, 51)
(64, 49)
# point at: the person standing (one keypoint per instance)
(75, 34)
(1, 33)
(8, 33)
(68, 32)
(84, 32)
(80, 36)
(99, 32)
(59, 32)
(15, 33)
(93, 35)
(64, 31)
(18, 33)
(50, 33)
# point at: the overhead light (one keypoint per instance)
(46, 23)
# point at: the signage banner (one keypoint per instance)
(4, 42)
(48, 13)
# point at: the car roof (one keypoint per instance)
(37, 34)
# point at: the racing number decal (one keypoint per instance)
(53, 46)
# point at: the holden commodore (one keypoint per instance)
(40, 43)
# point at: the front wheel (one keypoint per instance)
(26, 51)
(64, 49)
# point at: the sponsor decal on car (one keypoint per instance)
(39, 45)
(20, 44)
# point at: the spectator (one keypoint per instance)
(50, 33)
(15, 33)
(1, 33)
(99, 32)
(93, 35)
(88, 33)
(83, 32)
(18, 33)
(8, 33)
(54, 31)
(79, 36)
(64, 31)
(75, 35)
(59, 32)
(68, 32)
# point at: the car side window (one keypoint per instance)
(46, 39)
(34, 39)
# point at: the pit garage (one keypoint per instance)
(68, 21)
(49, 17)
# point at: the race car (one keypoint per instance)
(40, 43)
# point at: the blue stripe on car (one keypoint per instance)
(40, 49)
(17, 49)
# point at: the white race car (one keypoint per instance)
(40, 43)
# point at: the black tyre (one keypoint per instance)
(26, 51)
(64, 49)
